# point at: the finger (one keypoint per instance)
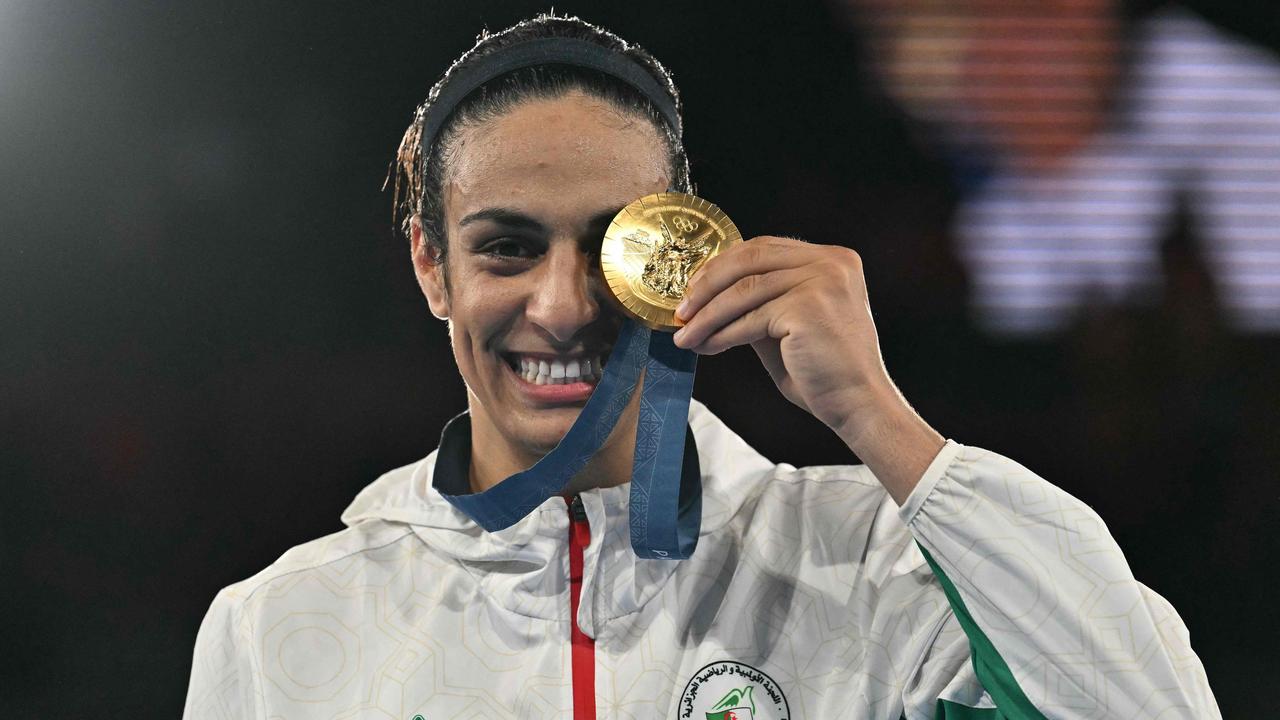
(744, 295)
(754, 257)
(763, 321)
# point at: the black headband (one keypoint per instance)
(544, 51)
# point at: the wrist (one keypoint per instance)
(892, 440)
(871, 413)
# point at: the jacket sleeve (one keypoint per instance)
(1053, 621)
(222, 670)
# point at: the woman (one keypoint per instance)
(935, 580)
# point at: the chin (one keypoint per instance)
(542, 432)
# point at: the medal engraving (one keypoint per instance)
(673, 260)
(654, 246)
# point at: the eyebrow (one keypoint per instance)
(503, 216)
(516, 219)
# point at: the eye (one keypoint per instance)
(508, 248)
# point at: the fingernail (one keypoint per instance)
(678, 336)
(682, 308)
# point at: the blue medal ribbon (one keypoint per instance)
(666, 509)
(665, 517)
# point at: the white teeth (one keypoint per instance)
(559, 372)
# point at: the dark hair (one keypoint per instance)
(420, 170)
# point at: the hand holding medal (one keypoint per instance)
(672, 259)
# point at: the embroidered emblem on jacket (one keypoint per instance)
(728, 690)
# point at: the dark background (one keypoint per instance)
(211, 338)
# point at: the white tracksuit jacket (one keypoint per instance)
(808, 597)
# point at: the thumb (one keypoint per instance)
(769, 351)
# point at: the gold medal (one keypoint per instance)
(652, 248)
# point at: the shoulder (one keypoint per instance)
(329, 556)
(305, 588)
(375, 544)
(240, 614)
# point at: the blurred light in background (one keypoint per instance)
(1081, 140)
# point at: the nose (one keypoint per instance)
(566, 298)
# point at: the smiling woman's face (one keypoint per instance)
(527, 198)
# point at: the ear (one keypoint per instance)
(429, 269)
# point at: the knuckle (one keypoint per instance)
(848, 256)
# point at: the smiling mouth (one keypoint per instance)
(547, 369)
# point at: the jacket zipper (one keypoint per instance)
(582, 648)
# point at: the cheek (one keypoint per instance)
(482, 316)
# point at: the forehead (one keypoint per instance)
(555, 157)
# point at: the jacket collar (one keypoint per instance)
(523, 567)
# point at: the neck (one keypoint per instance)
(495, 457)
